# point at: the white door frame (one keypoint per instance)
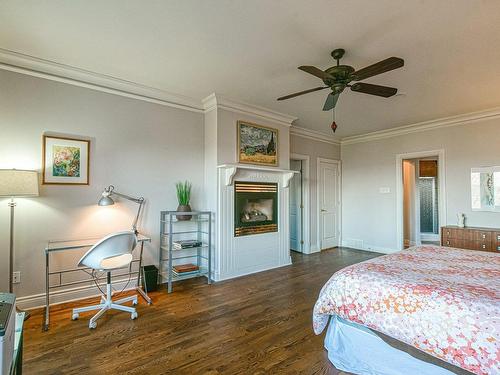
(318, 208)
(399, 190)
(306, 210)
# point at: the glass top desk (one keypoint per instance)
(57, 246)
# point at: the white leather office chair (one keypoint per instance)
(110, 253)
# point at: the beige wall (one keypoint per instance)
(139, 147)
(371, 217)
(315, 149)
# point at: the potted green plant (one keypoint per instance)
(183, 197)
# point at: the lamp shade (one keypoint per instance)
(18, 183)
(105, 201)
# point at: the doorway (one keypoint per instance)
(299, 205)
(296, 208)
(421, 198)
(328, 173)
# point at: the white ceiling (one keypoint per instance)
(250, 50)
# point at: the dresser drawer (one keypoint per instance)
(451, 242)
(483, 236)
(453, 233)
(496, 241)
(447, 233)
(496, 237)
(483, 246)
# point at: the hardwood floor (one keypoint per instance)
(257, 324)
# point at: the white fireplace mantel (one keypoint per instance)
(231, 169)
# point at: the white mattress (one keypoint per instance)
(354, 348)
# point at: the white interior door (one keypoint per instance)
(329, 203)
(296, 207)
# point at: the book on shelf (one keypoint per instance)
(183, 268)
(185, 273)
(186, 244)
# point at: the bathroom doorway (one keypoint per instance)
(420, 198)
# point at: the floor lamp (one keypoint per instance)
(16, 183)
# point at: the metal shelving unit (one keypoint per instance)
(198, 228)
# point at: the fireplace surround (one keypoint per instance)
(241, 255)
(255, 208)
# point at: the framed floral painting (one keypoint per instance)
(65, 161)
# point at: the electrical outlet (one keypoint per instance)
(16, 277)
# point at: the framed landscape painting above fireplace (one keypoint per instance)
(257, 144)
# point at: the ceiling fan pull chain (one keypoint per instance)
(334, 124)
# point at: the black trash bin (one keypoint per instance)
(150, 278)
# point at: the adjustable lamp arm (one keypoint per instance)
(110, 190)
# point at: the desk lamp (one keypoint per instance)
(16, 183)
(106, 200)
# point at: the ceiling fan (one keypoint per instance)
(338, 77)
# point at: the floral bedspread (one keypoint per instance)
(443, 301)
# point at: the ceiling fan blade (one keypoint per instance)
(368, 88)
(302, 93)
(315, 72)
(378, 68)
(331, 101)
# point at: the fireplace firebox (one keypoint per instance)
(255, 208)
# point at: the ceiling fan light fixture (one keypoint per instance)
(338, 77)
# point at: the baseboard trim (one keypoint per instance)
(373, 248)
(229, 277)
(69, 295)
(314, 249)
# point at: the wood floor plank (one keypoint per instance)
(256, 324)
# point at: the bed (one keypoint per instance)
(444, 302)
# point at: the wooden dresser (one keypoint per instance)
(472, 238)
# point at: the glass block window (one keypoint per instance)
(428, 205)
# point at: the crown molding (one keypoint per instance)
(37, 67)
(444, 122)
(314, 135)
(215, 100)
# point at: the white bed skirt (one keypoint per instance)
(354, 348)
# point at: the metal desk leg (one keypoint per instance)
(143, 293)
(19, 363)
(47, 293)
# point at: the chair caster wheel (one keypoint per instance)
(133, 316)
(75, 316)
(92, 325)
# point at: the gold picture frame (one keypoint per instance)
(66, 161)
(257, 144)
